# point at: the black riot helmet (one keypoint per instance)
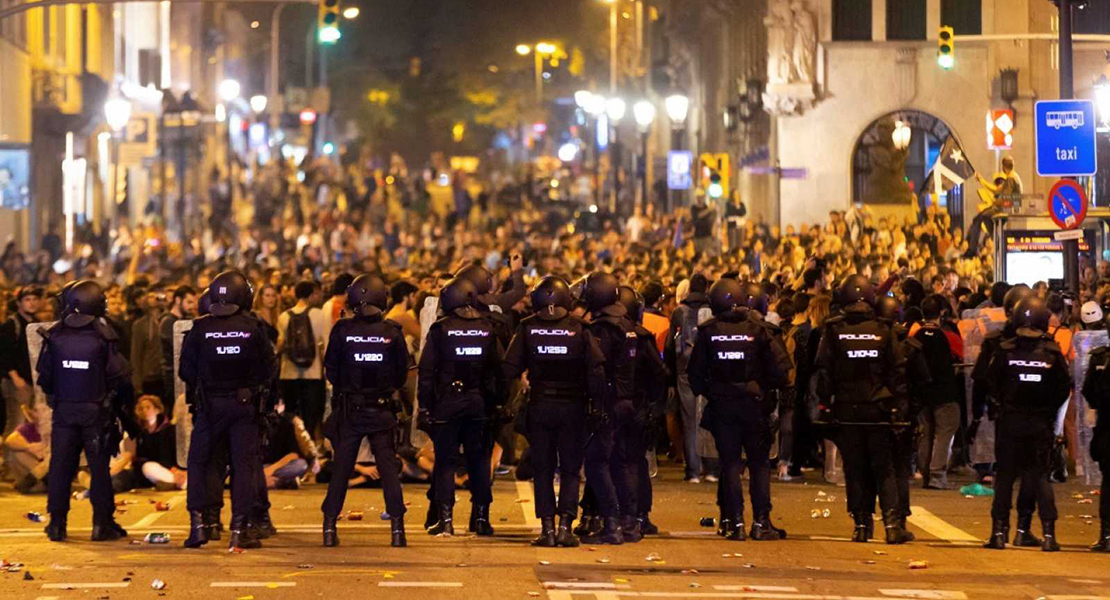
(61, 301)
(888, 308)
(479, 276)
(632, 302)
(855, 288)
(229, 293)
(204, 303)
(725, 295)
(457, 293)
(85, 302)
(550, 293)
(753, 297)
(367, 296)
(1014, 297)
(600, 290)
(1031, 313)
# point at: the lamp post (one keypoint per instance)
(117, 112)
(595, 107)
(677, 107)
(615, 109)
(540, 52)
(644, 113)
(229, 91)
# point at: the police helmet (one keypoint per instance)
(725, 295)
(204, 303)
(457, 293)
(1090, 313)
(229, 293)
(61, 299)
(753, 297)
(479, 276)
(1014, 296)
(632, 302)
(85, 302)
(855, 288)
(551, 292)
(1031, 313)
(600, 290)
(367, 296)
(889, 308)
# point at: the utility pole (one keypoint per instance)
(1067, 92)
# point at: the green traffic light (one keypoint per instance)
(946, 61)
(329, 35)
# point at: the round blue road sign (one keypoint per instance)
(1067, 204)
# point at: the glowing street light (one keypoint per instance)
(677, 106)
(523, 49)
(229, 90)
(117, 111)
(596, 105)
(901, 136)
(351, 12)
(582, 98)
(546, 48)
(1102, 99)
(614, 108)
(258, 103)
(644, 113)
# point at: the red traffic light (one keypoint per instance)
(308, 116)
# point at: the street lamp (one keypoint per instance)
(117, 112)
(523, 49)
(901, 136)
(644, 113)
(350, 13)
(614, 108)
(258, 103)
(582, 98)
(677, 107)
(1102, 98)
(229, 90)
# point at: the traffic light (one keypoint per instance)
(946, 47)
(715, 175)
(328, 22)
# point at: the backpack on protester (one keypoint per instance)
(300, 340)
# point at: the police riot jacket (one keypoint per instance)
(460, 367)
(223, 355)
(736, 357)
(1029, 375)
(918, 378)
(979, 388)
(859, 362)
(562, 357)
(366, 356)
(1096, 389)
(651, 374)
(81, 364)
(619, 343)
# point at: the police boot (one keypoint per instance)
(563, 535)
(104, 530)
(56, 530)
(397, 532)
(264, 526)
(331, 531)
(865, 526)
(547, 533)
(902, 523)
(212, 525)
(1103, 543)
(630, 529)
(480, 517)
(724, 526)
(736, 531)
(1023, 537)
(1049, 530)
(241, 536)
(432, 517)
(894, 532)
(764, 531)
(589, 525)
(610, 533)
(1000, 532)
(646, 526)
(197, 530)
(445, 525)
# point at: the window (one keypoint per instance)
(1093, 19)
(905, 19)
(962, 15)
(851, 20)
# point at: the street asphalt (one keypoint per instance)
(817, 561)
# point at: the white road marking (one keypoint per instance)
(83, 586)
(524, 492)
(938, 527)
(265, 584)
(420, 584)
(1077, 597)
(149, 520)
(47, 598)
(925, 594)
(754, 588)
(584, 585)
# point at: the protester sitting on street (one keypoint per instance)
(282, 457)
(27, 452)
(153, 459)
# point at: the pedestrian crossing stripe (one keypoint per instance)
(938, 527)
(925, 594)
(265, 584)
(83, 586)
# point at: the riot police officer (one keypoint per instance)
(565, 373)
(367, 361)
(1096, 389)
(620, 345)
(226, 360)
(459, 380)
(861, 374)
(633, 444)
(735, 363)
(81, 371)
(1028, 377)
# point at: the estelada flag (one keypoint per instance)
(952, 168)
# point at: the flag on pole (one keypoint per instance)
(952, 168)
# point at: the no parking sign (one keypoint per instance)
(1067, 204)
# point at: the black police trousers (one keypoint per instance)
(1022, 446)
(740, 426)
(625, 462)
(555, 436)
(602, 461)
(869, 469)
(1104, 491)
(354, 425)
(224, 417)
(446, 437)
(216, 474)
(77, 427)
